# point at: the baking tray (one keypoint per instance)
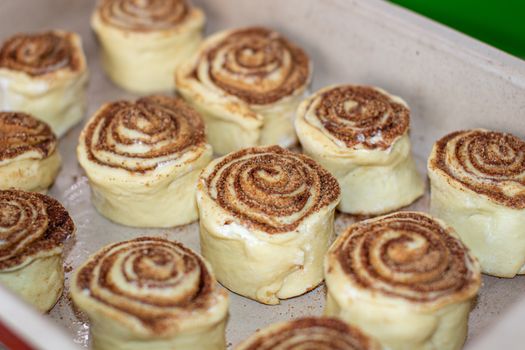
(449, 80)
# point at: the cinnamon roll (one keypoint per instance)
(143, 158)
(478, 186)
(33, 228)
(29, 159)
(246, 82)
(404, 278)
(320, 333)
(45, 75)
(266, 221)
(150, 293)
(360, 134)
(144, 41)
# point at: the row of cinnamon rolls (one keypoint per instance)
(399, 281)
(145, 154)
(154, 293)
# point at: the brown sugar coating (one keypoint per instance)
(361, 115)
(162, 129)
(270, 188)
(143, 16)
(40, 53)
(320, 333)
(134, 278)
(485, 162)
(259, 66)
(32, 223)
(407, 255)
(21, 133)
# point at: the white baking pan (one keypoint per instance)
(449, 80)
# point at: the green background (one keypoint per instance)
(500, 23)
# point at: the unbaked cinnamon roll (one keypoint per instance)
(45, 75)
(247, 84)
(144, 41)
(478, 186)
(360, 134)
(143, 158)
(266, 221)
(29, 159)
(33, 229)
(151, 293)
(320, 333)
(404, 278)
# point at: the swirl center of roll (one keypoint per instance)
(270, 188)
(498, 156)
(20, 133)
(38, 54)
(148, 271)
(489, 163)
(140, 136)
(257, 65)
(409, 256)
(359, 115)
(9, 215)
(151, 279)
(23, 220)
(144, 15)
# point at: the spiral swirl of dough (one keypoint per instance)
(143, 135)
(257, 65)
(30, 223)
(358, 116)
(486, 162)
(39, 54)
(319, 333)
(150, 279)
(407, 255)
(143, 15)
(271, 188)
(22, 134)
(23, 220)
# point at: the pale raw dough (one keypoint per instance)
(260, 266)
(40, 282)
(30, 174)
(162, 198)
